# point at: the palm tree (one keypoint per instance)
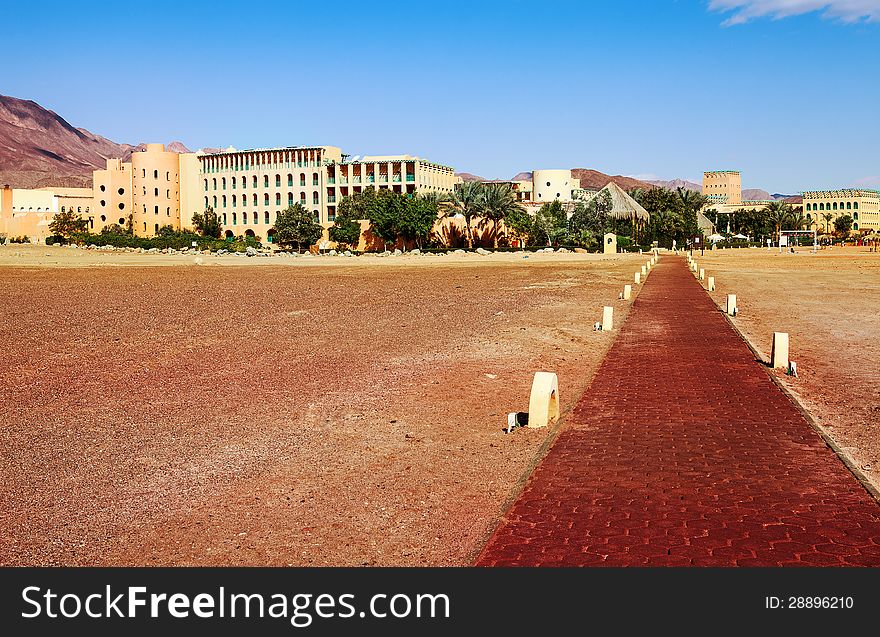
(466, 202)
(497, 202)
(827, 217)
(778, 212)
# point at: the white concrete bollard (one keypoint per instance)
(702, 274)
(544, 400)
(710, 284)
(607, 318)
(644, 270)
(731, 304)
(627, 292)
(779, 354)
(638, 278)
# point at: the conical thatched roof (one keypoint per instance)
(622, 205)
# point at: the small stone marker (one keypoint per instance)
(710, 284)
(544, 400)
(607, 318)
(638, 278)
(627, 292)
(702, 274)
(731, 304)
(644, 270)
(779, 354)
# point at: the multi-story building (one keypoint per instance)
(112, 195)
(546, 186)
(861, 204)
(249, 188)
(723, 186)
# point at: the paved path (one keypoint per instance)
(683, 452)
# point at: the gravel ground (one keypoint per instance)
(829, 303)
(347, 413)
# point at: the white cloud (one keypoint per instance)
(848, 11)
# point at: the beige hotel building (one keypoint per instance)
(861, 204)
(723, 186)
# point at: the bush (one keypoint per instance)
(168, 238)
(56, 238)
(22, 239)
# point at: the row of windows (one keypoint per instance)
(302, 199)
(255, 217)
(156, 210)
(156, 192)
(850, 205)
(121, 191)
(63, 209)
(155, 175)
(302, 181)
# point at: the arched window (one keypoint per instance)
(249, 233)
(206, 202)
(215, 183)
(855, 216)
(255, 199)
(266, 199)
(315, 197)
(234, 201)
(290, 199)
(255, 181)
(278, 181)
(167, 194)
(145, 226)
(224, 218)
(168, 212)
(155, 174)
(266, 217)
(302, 198)
(244, 218)
(315, 179)
(103, 219)
(233, 183)
(206, 185)
(229, 234)
(834, 205)
(849, 205)
(265, 181)
(62, 209)
(289, 180)
(277, 198)
(167, 176)
(855, 205)
(224, 201)
(256, 217)
(224, 183)
(302, 179)
(155, 210)
(155, 192)
(821, 206)
(234, 219)
(215, 201)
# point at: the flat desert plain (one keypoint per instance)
(829, 304)
(273, 411)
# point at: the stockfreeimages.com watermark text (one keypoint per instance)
(301, 609)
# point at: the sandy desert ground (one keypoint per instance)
(270, 411)
(829, 303)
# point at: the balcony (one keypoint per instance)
(331, 199)
(331, 180)
(371, 179)
(383, 179)
(395, 179)
(410, 177)
(356, 179)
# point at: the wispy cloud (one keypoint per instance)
(868, 182)
(848, 11)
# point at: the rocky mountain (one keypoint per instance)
(755, 194)
(595, 180)
(672, 184)
(469, 177)
(40, 148)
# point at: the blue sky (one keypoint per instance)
(786, 91)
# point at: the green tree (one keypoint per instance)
(296, 225)
(113, 229)
(345, 231)
(590, 220)
(843, 224)
(778, 213)
(418, 217)
(827, 217)
(521, 223)
(207, 223)
(67, 224)
(466, 201)
(551, 224)
(496, 203)
(385, 211)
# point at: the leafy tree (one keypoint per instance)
(207, 223)
(827, 217)
(67, 224)
(357, 205)
(466, 201)
(385, 210)
(551, 224)
(497, 202)
(521, 223)
(590, 220)
(345, 231)
(843, 224)
(113, 229)
(418, 217)
(296, 225)
(167, 231)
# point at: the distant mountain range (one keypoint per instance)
(39, 148)
(589, 179)
(672, 184)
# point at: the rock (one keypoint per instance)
(482, 251)
(348, 253)
(92, 247)
(415, 251)
(397, 252)
(581, 251)
(459, 251)
(251, 251)
(333, 253)
(564, 250)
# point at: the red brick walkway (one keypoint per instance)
(684, 453)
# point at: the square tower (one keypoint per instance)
(723, 186)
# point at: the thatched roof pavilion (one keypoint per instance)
(622, 205)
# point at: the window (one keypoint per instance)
(266, 199)
(157, 228)
(168, 212)
(155, 174)
(224, 218)
(265, 181)
(215, 201)
(278, 181)
(277, 198)
(121, 206)
(233, 201)
(206, 202)
(289, 180)
(255, 199)
(224, 201)
(121, 191)
(266, 217)
(256, 217)
(849, 205)
(315, 179)
(315, 198)
(206, 185)
(302, 179)
(821, 206)
(855, 205)
(167, 176)
(167, 194)
(155, 210)
(121, 221)
(255, 181)
(290, 199)
(62, 208)
(233, 183)
(834, 205)
(102, 202)
(103, 187)
(215, 183)
(302, 198)
(224, 183)
(244, 218)
(234, 219)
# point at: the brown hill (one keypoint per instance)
(40, 148)
(755, 194)
(594, 180)
(469, 177)
(672, 184)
